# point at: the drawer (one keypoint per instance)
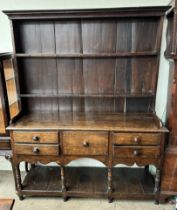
(36, 137)
(136, 151)
(85, 143)
(36, 149)
(136, 138)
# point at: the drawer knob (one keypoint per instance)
(136, 152)
(137, 139)
(86, 144)
(36, 150)
(35, 138)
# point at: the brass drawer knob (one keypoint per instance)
(36, 150)
(86, 144)
(136, 152)
(35, 138)
(137, 139)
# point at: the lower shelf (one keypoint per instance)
(86, 182)
(132, 183)
(42, 180)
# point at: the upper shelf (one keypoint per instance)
(90, 55)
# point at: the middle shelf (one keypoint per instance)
(88, 55)
(63, 95)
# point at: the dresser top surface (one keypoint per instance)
(100, 121)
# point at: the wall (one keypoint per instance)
(6, 45)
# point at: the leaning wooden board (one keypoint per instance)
(6, 204)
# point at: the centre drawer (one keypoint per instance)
(36, 149)
(85, 143)
(136, 151)
(136, 138)
(50, 137)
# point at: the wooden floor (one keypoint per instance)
(89, 181)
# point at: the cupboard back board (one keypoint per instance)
(95, 60)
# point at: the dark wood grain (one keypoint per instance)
(68, 43)
(39, 84)
(145, 28)
(70, 83)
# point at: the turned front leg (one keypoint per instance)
(18, 181)
(63, 187)
(157, 186)
(110, 185)
(16, 174)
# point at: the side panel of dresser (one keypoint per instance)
(168, 180)
(9, 106)
(4, 111)
(169, 174)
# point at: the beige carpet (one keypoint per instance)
(7, 191)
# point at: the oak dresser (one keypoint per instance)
(86, 85)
